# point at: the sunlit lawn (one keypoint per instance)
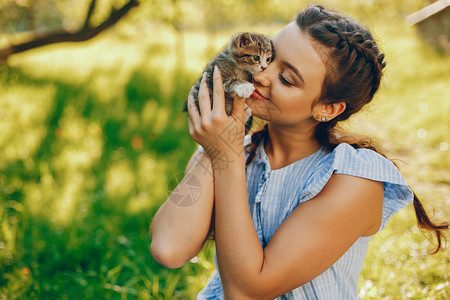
(91, 139)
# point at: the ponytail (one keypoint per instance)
(424, 222)
(330, 139)
(333, 139)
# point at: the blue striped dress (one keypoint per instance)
(274, 194)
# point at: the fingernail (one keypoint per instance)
(204, 76)
(216, 69)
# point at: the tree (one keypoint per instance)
(84, 32)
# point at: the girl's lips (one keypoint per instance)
(257, 95)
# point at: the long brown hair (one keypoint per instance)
(354, 67)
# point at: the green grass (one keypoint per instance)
(92, 136)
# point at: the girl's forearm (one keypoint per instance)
(239, 251)
(180, 226)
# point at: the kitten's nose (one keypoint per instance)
(263, 68)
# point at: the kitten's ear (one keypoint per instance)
(244, 40)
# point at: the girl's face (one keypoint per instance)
(287, 89)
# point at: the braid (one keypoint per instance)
(363, 43)
(367, 49)
(352, 58)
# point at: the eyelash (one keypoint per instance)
(284, 81)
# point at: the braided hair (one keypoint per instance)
(354, 67)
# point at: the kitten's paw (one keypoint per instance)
(244, 90)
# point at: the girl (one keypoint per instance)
(294, 205)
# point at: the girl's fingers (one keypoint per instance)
(194, 114)
(203, 98)
(218, 92)
(190, 126)
(238, 106)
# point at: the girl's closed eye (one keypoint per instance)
(284, 80)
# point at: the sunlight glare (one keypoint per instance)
(120, 179)
(66, 202)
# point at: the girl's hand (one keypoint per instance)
(222, 136)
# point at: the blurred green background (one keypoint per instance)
(92, 136)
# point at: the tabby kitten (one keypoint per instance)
(245, 55)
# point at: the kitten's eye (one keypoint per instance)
(269, 59)
(255, 57)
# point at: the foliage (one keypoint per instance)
(82, 180)
(26, 15)
(92, 136)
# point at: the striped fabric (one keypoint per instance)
(274, 194)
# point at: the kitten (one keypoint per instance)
(245, 55)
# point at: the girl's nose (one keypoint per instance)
(262, 78)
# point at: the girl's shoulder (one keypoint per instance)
(364, 163)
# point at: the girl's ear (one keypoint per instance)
(327, 112)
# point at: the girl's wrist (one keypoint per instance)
(220, 150)
(229, 161)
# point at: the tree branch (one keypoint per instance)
(90, 12)
(58, 36)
